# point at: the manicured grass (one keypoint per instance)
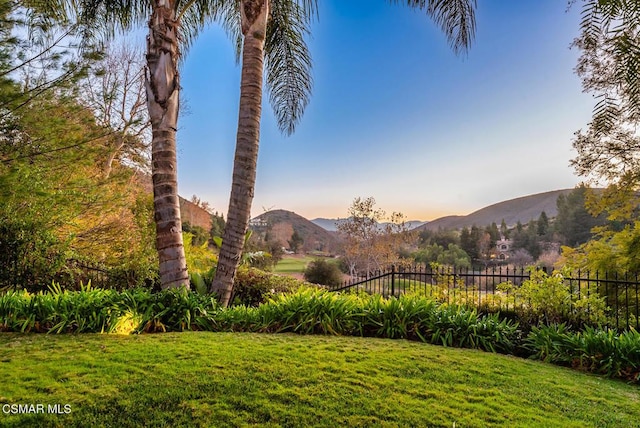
(289, 265)
(231, 379)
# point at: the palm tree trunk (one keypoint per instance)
(254, 28)
(162, 86)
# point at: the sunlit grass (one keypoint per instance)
(226, 379)
(289, 265)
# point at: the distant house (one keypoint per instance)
(258, 223)
(503, 248)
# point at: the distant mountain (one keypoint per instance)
(331, 224)
(281, 224)
(521, 209)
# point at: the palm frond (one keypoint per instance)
(195, 15)
(456, 18)
(288, 62)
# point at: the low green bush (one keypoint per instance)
(320, 271)
(253, 286)
(547, 299)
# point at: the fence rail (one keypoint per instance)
(620, 293)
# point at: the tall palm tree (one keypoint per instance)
(272, 30)
(455, 17)
(162, 81)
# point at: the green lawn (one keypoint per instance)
(290, 265)
(230, 379)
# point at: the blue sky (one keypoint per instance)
(396, 115)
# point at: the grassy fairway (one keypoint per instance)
(289, 265)
(227, 379)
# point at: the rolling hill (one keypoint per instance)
(521, 209)
(281, 224)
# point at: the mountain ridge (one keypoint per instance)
(523, 209)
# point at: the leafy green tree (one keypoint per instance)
(428, 254)
(51, 185)
(442, 237)
(609, 251)
(527, 239)
(295, 242)
(454, 256)
(217, 225)
(494, 234)
(471, 242)
(609, 149)
(573, 221)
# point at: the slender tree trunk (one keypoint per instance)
(111, 156)
(162, 86)
(254, 28)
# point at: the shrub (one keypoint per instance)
(30, 255)
(548, 299)
(320, 271)
(253, 286)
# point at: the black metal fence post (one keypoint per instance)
(393, 280)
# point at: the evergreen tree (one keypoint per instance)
(295, 242)
(574, 222)
(543, 224)
(504, 230)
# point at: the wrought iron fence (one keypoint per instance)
(498, 288)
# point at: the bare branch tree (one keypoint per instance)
(114, 90)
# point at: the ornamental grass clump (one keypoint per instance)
(312, 311)
(92, 310)
(462, 327)
(405, 317)
(58, 311)
(599, 350)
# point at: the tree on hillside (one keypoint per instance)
(455, 17)
(453, 255)
(543, 224)
(526, 238)
(504, 230)
(573, 221)
(470, 241)
(295, 242)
